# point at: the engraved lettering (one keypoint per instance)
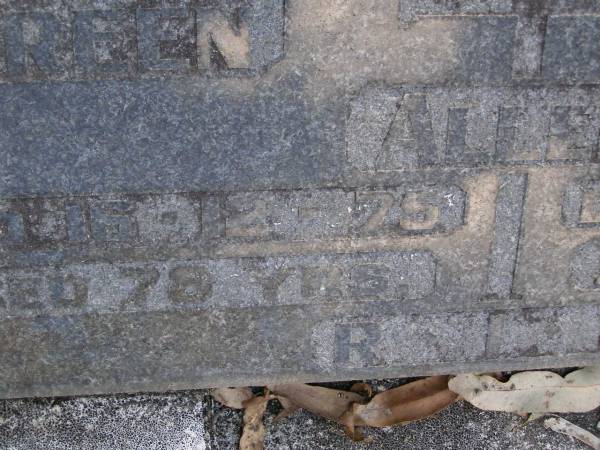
(112, 221)
(167, 40)
(31, 42)
(213, 220)
(478, 127)
(78, 224)
(103, 42)
(247, 219)
(590, 208)
(3, 302)
(421, 217)
(153, 40)
(70, 228)
(383, 204)
(355, 344)
(574, 59)
(530, 33)
(322, 282)
(271, 282)
(168, 218)
(144, 280)
(370, 281)
(190, 285)
(539, 48)
(408, 141)
(585, 267)
(47, 222)
(68, 291)
(573, 133)
(220, 283)
(25, 291)
(408, 211)
(3, 52)
(392, 339)
(11, 228)
(509, 119)
(457, 149)
(581, 204)
(224, 42)
(540, 332)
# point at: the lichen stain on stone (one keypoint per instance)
(353, 41)
(338, 46)
(233, 47)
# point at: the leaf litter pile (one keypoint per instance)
(532, 395)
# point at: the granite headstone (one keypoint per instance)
(199, 193)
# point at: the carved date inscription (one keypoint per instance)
(155, 220)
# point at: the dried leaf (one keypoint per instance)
(325, 402)
(533, 417)
(364, 389)
(532, 392)
(232, 397)
(289, 408)
(565, 427)
(527, 419)
(253, 436)
(407, 403)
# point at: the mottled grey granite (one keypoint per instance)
(192, 420)
(216, 192)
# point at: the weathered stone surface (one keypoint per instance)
(192, 420)
(221, 192)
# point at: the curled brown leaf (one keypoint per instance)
(329, 403)
(289, 408)
(407, 403)
(253, 435)
(364, 389)
(232, 397)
